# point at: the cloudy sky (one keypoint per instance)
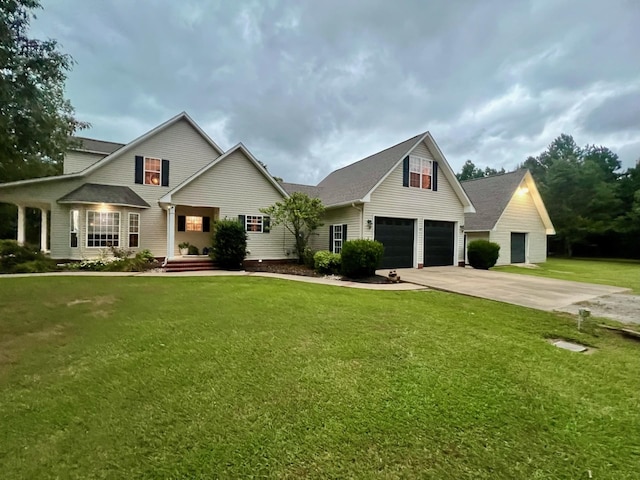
(310, 85)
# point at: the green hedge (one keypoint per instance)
(361, 258)
(325, 261)
(229, 244)
(483, 254)
(16, 258)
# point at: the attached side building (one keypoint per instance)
(511, 213)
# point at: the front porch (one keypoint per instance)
(42, 210)
(192, 225)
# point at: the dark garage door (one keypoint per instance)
(396, 234)
(518, 241)
(438, 243)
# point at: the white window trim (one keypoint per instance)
(246, 223)
(334, 239)
(421, 160)
(144, 171)
(77, 225)
(129, 229)
(119, 228)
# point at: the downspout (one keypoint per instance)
(361, 219)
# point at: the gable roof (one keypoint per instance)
(124, 149)
(92, 145)
(110, 194)
(491, 195)
(166, 199)
(355, 183)
(312, 191)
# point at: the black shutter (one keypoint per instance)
(241, 219)
(139, 169)
(434, 180)
(344, 233)
(182, 223)
(331, 238)
(165, 173)
(266, 224)
(405, 172)
(206, 224)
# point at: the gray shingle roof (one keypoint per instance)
(490, 196)
(109, 194)
(99, 146)
(312, 191)
(353, 182)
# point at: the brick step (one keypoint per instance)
(190, 265)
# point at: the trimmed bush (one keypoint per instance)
(360, 258)
(229, 244)
(16, 258)
(483, 254)
(325, 261)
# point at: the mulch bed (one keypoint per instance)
(295, 269)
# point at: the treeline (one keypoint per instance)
(593, 204)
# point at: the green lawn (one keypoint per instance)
(620, 273)
(234, 377)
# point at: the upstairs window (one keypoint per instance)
(420, 173)
(152, 170)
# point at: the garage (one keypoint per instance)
(396, 234)
(518, 245)
(439, 241)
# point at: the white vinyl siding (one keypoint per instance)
(391, 199)
(237, 187)
(337, 216)
(521, 216)
(75, 162)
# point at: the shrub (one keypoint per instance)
(308, 257)
(16, 258)
(229, 244)
(325, 261)
(483, 254)
(360, 258)
(193, 250)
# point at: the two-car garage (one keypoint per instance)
(398, 237)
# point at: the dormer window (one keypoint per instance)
(420, 170)
(152, 169)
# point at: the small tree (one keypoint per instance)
(229, 244)
(300, 214)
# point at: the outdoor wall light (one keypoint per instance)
(523, 190)
(369, 224)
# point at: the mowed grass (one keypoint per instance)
(253, 377)
(620, 273)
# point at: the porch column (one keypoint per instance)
(21, 224)
(44, 226)
(171, 230)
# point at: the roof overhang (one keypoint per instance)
(99, 194)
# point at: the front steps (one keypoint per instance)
(190, 263)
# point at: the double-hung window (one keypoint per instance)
(74, 224)
(152, 170)
(134, 230)
(253, 223)
(420, 173)
(193, 223)
(337, 238)
(103, 229)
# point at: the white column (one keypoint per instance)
(21, 224)
(171, 231)
(43, 230)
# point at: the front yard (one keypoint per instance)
(620, 273)
(232, 377)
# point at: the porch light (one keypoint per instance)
(523, 190)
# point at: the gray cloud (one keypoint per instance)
(309, 86)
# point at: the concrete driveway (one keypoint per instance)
(525, 290)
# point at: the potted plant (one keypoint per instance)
(184, 248)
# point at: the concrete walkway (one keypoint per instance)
(525, 290)
(223, 273)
